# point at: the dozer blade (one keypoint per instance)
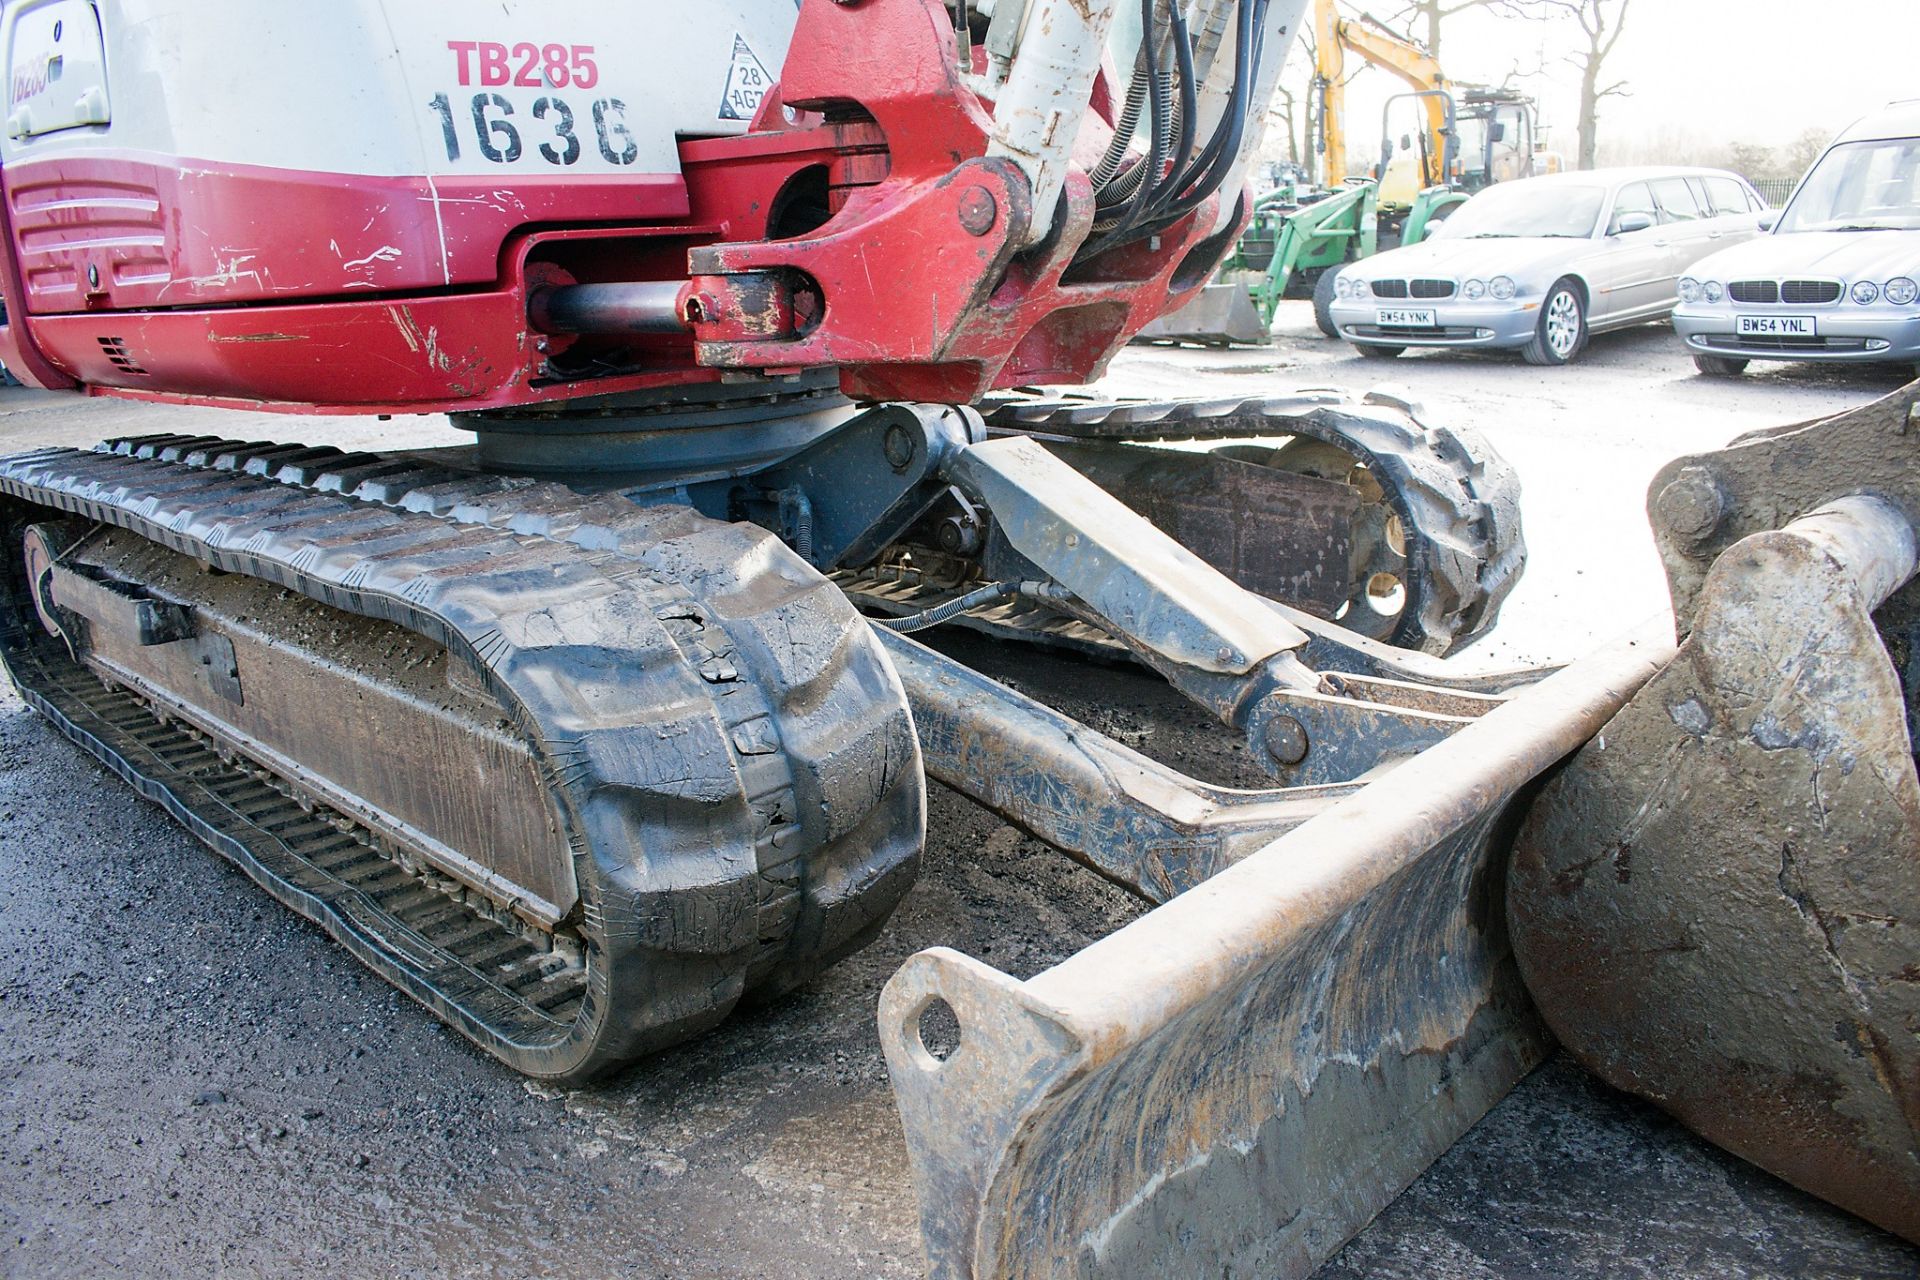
(1717, 904)
(1219, 315)
(1238, 1081)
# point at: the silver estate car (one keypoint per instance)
(1541, 263)
(1837, 278)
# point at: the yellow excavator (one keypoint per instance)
(1469, 136)
(1472, 136)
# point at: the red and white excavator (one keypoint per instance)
(585, 733)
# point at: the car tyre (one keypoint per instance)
(1562, 330)
(1373, 352)
(1720, 366)
(1323, 302)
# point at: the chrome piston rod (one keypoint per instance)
(638, 306)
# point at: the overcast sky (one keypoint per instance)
(1727, 70)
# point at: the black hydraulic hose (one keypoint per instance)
(1157, 115)
(1224, 148)
(1045, 591)
(1159, 204)
(1188, 107)
(1180, 150)
(1123, 188)
(1124, 128)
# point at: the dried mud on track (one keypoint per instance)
(195, 1083)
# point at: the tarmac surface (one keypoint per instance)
(192, 1082)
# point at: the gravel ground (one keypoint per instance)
(196, 1083)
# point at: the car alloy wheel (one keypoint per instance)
(1563, 324)
(1562, 330)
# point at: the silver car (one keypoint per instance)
(1837, 278)
(1541, 263)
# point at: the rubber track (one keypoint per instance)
(730, 754)
(450, 957)
(1458, 499)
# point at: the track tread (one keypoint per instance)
(809, 727)
(1457, 498)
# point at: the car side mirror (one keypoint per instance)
(1768, 220)
(1633, 222)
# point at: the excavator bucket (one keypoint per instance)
(1236, 1082)
(1220, 314)
(1716, 905)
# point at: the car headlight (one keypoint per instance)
(1900, 291)
(1865, 291)
(1689, 289)
(1342, 287)
(1501, 287)
(1712, 291)
(1474, 289)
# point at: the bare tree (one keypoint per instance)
(1752, 160)
(1601, 21)
(1804, 150)
(1421, 19)
(1282, 111)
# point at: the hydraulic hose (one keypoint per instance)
(1046, 592)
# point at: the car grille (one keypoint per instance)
(1413, 288)
(1799, 293)
(1781, 342)
(1802, 292)
(1422, 333)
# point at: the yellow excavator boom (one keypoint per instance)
(1334, 35)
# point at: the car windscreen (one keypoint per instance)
(1553, 209)
(1860, 186)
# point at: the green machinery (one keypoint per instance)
(1298, 239)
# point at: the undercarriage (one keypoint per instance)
(661, 764)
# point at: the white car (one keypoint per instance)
(1541, 263)
(1836, 279)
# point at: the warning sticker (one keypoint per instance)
(747, 82)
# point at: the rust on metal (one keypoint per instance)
(1088, 1122)
(1717, 903)
(1135, 820)
(1277, 534)
(1701, 505)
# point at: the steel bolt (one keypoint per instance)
(1286, 740)
(977, 211)
(1691, 506)
(898, 446)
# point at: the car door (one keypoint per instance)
(1736, 210)
(1634, 272)
(1691, 230)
